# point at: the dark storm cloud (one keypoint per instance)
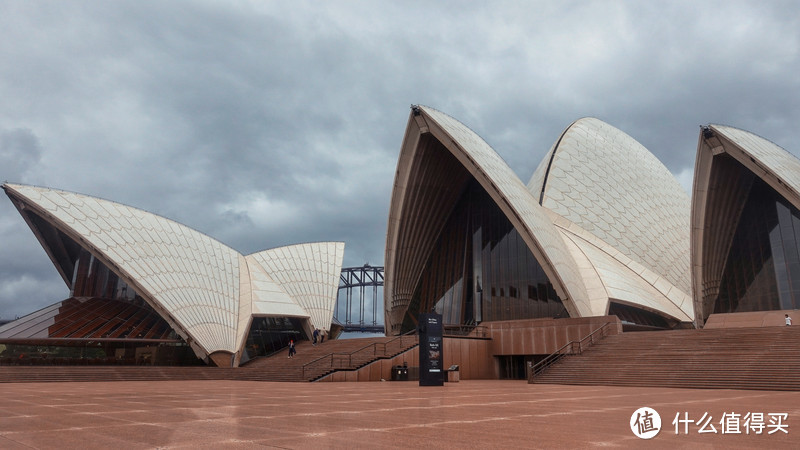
(265, 124)
(19, 151)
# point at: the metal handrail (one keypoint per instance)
(346, 359)
(552, 358)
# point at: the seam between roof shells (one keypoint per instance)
(550, 163)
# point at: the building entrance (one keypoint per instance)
(513, 367)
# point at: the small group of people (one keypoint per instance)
(318, 336)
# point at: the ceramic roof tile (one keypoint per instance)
(644, 210)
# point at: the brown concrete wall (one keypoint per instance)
(472, 356)
(380, 369)
(752, 319)
(476, 357)
(542, 336)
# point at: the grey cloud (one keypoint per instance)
(28, 280)
(187, 108)
(19, 151)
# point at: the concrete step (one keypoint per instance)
(730, 358)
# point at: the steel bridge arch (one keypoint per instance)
(359, 279)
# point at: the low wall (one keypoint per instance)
(752, 319)
(471, 355)
(543, 336)
(476, 357)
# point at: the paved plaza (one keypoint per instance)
(468, 414)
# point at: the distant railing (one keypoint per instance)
(355, 358)
(571, 348)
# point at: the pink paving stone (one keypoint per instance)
(469, 414)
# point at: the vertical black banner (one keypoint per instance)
(431, 372)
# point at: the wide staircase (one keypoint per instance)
(315, 361)
(724, 358)
(310, 363)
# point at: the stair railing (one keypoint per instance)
(571, 348)
(375, 350)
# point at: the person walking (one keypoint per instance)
(315, 335)
(788, 320)
(292, 350)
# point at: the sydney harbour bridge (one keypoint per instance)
(359, 306)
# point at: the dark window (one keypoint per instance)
(268, 335)
(762, 270)
(637, 316)
(478, 267)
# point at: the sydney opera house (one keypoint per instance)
(173, 294)
(602, 233)
(601, 229)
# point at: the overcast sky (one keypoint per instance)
(268, 123)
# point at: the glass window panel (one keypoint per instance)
(501, 263)
(763, 266)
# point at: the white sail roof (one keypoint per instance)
(206, 290)
(607, 221)
(504, 187)
(520, 207)
(778, 162)
(309, 274)
(727, 158)
(603, 180)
